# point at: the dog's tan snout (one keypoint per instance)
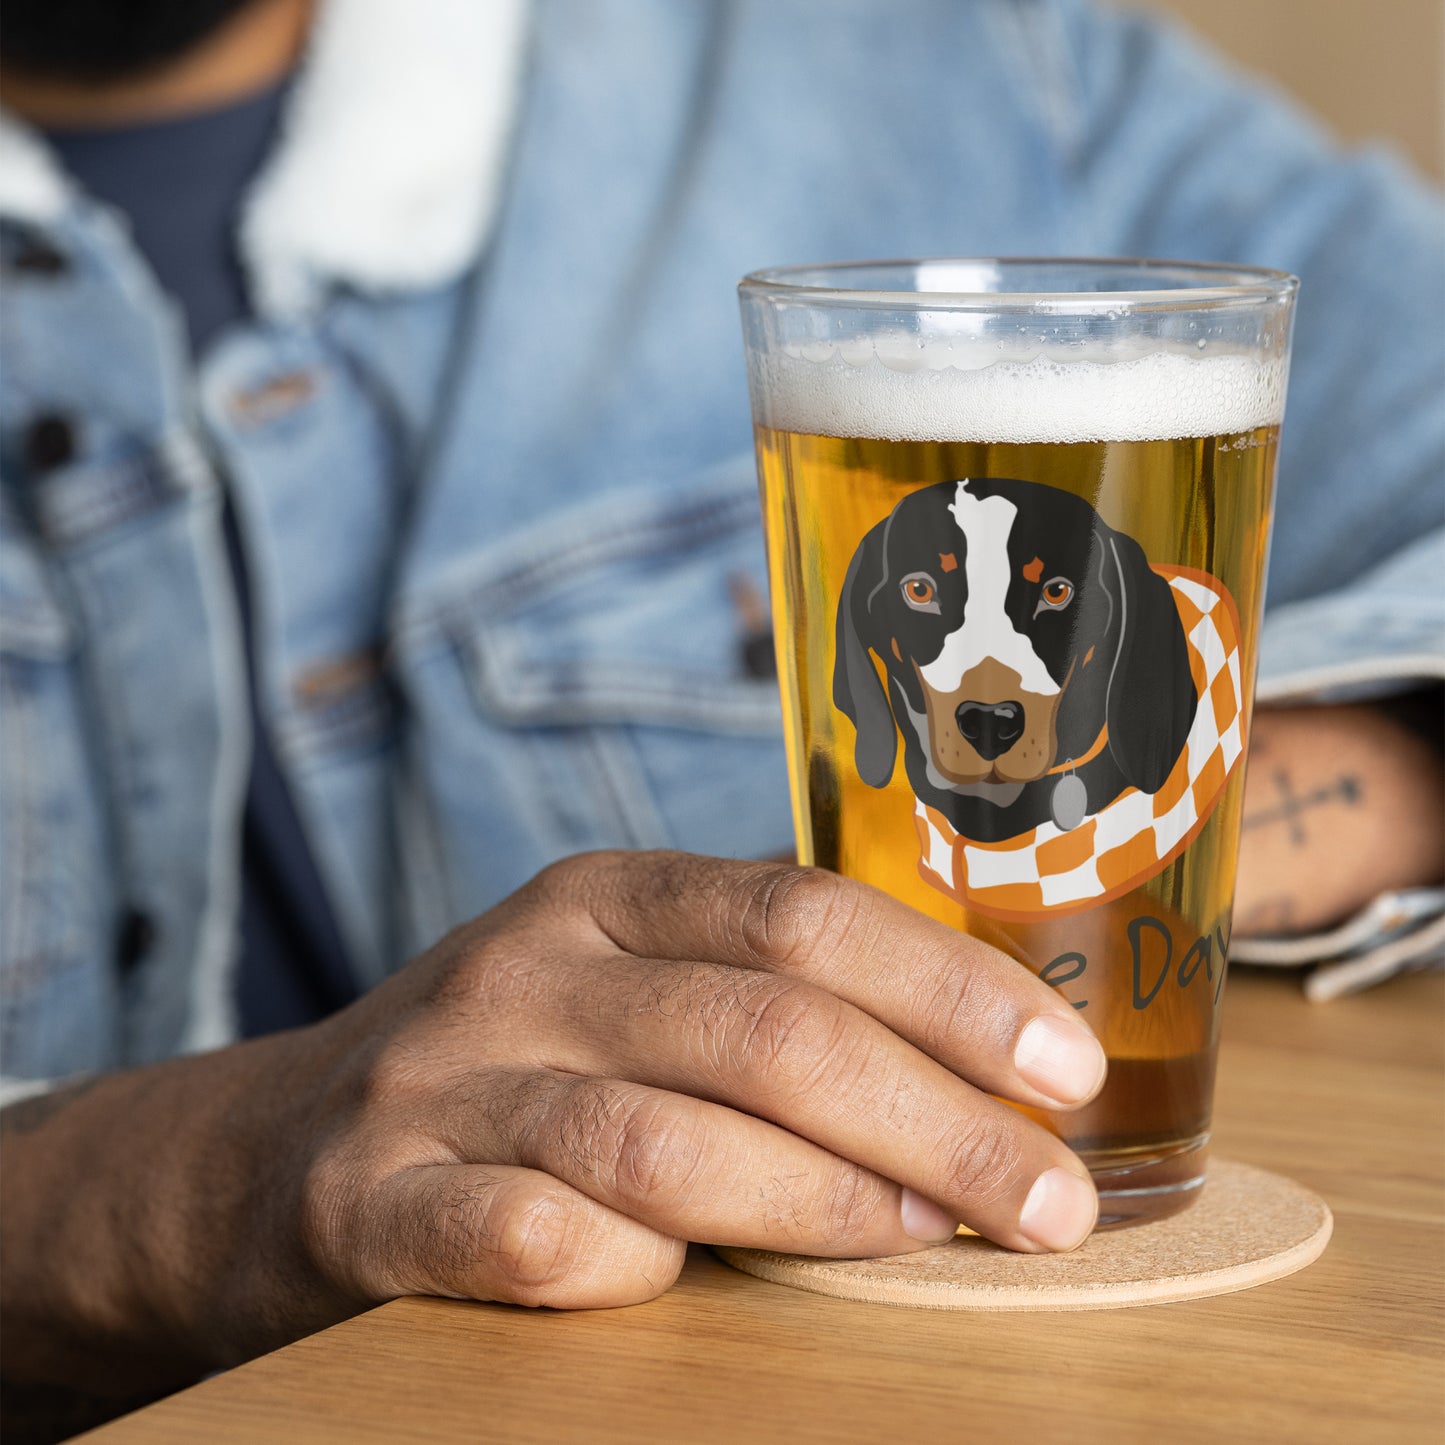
(990, 727)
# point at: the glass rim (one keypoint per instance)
(1204, 285)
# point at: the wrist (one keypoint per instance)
(144, 1222)
(1342, 804)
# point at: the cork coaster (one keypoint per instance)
(1248, 1227)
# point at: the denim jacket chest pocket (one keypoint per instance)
(57, 987)
(605, 680)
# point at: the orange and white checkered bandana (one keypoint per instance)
(1048, 871)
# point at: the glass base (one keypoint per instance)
(1139, 1188)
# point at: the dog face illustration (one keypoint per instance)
(1023, 639)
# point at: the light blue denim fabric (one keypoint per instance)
(497, 525)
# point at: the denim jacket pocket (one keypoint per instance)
(57, 1005)
(634, 613)
(612, 660)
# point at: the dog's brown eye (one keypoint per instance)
(1058, 591)
(920, 592)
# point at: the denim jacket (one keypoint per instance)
(488, 437)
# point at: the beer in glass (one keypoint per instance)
(1017, 516)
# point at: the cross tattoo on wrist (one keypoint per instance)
(1292, 805)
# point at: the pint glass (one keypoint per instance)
(1017, 518)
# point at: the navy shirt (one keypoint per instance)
(180, 183)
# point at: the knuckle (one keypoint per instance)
(489, 970)
(563, 878)
(533, 1245)
(568, 886)
(853, 1204)
(596, 886)
(656, 1158)
(984, 1160)
(328, 1216)
(793, 1033)
(668, 883)
(667, 876)
(963, 1003)
(630, 1142)
(789, 912)
(501, 973)
(456, 982)
(340, 1202)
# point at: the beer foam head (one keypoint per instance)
(904, 389)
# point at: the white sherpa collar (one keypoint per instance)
(388, 172)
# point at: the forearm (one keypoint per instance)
(132, 1210)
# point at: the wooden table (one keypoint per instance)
(1345, 1097)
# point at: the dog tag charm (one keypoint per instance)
(1069, 803)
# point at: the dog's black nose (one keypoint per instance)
(991, 727)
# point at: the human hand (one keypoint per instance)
(637, 1050)
(1341, 804)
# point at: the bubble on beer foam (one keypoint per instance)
(899, 390)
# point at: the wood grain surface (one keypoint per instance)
(1345, 1097)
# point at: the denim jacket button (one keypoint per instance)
(759, 658)
(134, 938)
(38, 258)
(49, 442)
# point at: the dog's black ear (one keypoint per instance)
(1151, 701)
(856, 688)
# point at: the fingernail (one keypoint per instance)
(923, 1219)
(1060, 1059)
(1060, 1210)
